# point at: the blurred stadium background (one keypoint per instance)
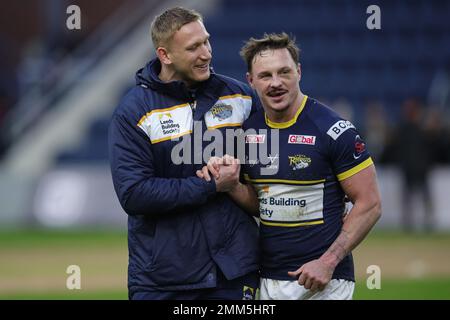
(58, 88)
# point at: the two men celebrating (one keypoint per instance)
(192, 238)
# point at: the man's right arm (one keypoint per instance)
(136, 185)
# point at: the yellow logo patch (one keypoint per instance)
(168, 115)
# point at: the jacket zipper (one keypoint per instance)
(193, 102)
(193, 105)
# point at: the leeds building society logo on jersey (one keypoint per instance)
(221, 111)
(168, 126)
(299, 161)
(360, 147)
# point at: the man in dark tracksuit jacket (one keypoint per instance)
(185, 239)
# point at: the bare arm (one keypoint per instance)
(362, 189)
(245, 197)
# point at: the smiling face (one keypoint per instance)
(275, 77)
(187, 55)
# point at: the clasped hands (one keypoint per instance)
(224, 170)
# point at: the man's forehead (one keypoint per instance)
(193, 28)
(282, 54)
(192, 32)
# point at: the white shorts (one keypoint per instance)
(271, 289)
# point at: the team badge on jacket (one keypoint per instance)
(221, 111)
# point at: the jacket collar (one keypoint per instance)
(148, 77)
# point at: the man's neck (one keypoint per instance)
(167, 74)
(288, 114)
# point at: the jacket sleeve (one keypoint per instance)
(139, 191)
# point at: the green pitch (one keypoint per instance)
(33, 265)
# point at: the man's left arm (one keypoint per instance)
(362, 189)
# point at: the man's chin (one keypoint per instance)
(203, 77)
(277, 107)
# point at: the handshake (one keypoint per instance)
(225, 172)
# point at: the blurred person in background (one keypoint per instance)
(186, 240)
(438, 135)
(306, 245)
(413, 151)
(344, 108)
(376, 129)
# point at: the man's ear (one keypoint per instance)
(299, 70)
(249, 79)
(163, 55)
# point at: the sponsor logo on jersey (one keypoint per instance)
(221, 111)
(168, 126)
(339, 128)
(265, 211)
(360, 147)
(162, 115)
(255, 138)
(286, 202)
(300, 161)
(302, 139)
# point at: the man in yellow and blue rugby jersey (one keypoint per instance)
(321, 159)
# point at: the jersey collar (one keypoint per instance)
(287, 124)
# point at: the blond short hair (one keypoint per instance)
(270, 41)
(170, 21)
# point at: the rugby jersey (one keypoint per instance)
(301, 200)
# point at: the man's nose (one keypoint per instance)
(275, 82)
(206, 53)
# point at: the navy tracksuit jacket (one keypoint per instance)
(180, 230)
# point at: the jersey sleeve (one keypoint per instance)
(348, 151)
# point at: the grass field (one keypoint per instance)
(33, 265)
